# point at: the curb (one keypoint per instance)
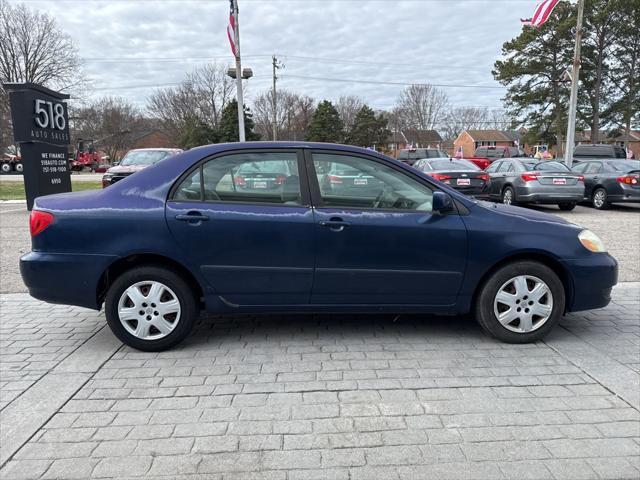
(12, 202)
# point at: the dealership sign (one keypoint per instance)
(41, 126)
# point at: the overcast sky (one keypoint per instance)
(131, 46)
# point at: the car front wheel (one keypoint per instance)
(150, 308)
(520, 302)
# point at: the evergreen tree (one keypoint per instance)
(368, 129)
(533, 68)
(326, 125)
(195, 133)
(228, 131)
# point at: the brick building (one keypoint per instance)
(469, 140)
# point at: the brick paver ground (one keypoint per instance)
(320, 397)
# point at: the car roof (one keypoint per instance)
(156, 150)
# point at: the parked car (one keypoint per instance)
(485, 156)
(411, 155)
(462, 175)
(610, 181)
(134, 161)
(518, 181)
(601, 151)
(176, 238)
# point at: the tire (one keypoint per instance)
(19, 167)
(509, 196)
(177, 324)
(599, 199)
(567, 206)
(517, 330)
(5, 168)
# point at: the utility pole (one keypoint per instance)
(239, 74)
(573, 102)
(274, 102)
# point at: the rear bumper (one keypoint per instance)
(550, 195)
(69, 279)
(625, 194)
(593, 278)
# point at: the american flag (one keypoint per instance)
(541, 14)
(231, 29)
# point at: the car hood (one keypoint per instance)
(524, 213)
(126, 168)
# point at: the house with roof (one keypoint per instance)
(469, 140)
(413, 137)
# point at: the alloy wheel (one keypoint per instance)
(523, 304)
(507, 197)
(599, 198)
(149, 310)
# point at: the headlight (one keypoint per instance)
(591, 241)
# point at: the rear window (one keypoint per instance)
(598, 151)
(625, 167)
(453, 165)
(551, 167)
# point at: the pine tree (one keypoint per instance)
(326, 125)
(196, 133)
(368, 129)
(228, 130)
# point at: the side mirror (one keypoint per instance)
(115, 164)
(441, 202)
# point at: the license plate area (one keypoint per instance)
(259, 184)
(360, 181)
(559, 181)
(464, 181)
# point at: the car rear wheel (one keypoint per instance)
(520, 302)
(150, 308)
(509, 196)
(599, 199)
(568, 206)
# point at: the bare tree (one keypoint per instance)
(421, 106)
(348, 107)
(199, 99)
(110, 121)
(293, 114)
(34, 49)
(458, 119)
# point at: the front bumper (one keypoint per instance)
(69, 279)
(593, 277)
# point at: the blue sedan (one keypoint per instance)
(305, 227)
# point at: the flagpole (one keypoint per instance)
(573, 102)
(239, 73)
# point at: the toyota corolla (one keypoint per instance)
(185, 236)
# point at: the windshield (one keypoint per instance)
(453, 165)
(143, 157)
(552, 167)
(624, 166)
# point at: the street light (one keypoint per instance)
(247, 73)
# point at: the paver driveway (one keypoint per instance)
(320, 397)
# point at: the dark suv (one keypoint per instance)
(411, 155)
(583, 152)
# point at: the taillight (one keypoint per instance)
(484, 176)
(334, 179)
(239, 181)
(440, 176)
(529, 177)
(629, 179)
(280, 179)
(581, 178)
(38, 221)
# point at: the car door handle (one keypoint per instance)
(335, 224)
(194, 218)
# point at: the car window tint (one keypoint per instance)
(356, 182)
(580, 167)
(247, 178)
(552, 167)
(505, 167)
(493, 167)
(190, 188)
(594, 167)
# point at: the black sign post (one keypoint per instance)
(41, 127)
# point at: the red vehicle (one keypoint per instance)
(85, 157)
(485, 156)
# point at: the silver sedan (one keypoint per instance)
(518, 181)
